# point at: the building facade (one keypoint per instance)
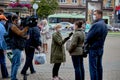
(73, 6)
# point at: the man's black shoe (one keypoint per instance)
(33, 72)
(24, 74)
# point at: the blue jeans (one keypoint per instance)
(79, 67)
(3, 64)
(15, 63)
(95, 64)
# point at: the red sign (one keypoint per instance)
(117, 8)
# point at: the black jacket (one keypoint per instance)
(34, 40)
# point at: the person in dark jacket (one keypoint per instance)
(32, 43)
(96, 38)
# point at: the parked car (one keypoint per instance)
(67, 25)
(116, 29)
(110, 28)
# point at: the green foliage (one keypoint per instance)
(46, 7)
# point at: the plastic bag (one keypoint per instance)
(40, 58)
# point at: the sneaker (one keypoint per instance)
(24, 74)
(60, 78)
(55, 78)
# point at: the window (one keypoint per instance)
(61, 1)
(74, 1)
(84, 1)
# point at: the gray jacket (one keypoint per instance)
(77, 42)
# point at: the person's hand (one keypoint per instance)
(70, 34)
(67, 38)
(39, 48)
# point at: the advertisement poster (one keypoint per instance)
(91, 7)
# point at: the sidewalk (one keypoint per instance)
(111, 65)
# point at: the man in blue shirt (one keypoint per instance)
(3, 47)
(96, 38)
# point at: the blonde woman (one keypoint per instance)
(57, 51)
(44, 31)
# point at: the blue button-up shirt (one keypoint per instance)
(3, 44)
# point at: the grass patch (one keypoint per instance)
(113, 33)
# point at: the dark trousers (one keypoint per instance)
(78, 67)
(56, 69)
(3, 65)
(29, 59)
(95, 64)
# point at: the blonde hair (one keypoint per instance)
(45, 22)
(57, 26)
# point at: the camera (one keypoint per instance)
(30, 21)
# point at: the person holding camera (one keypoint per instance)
(76, 50)
(58, 51)
(34, 42)
(18, 37)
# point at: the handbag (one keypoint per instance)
(68, 43)
(48, 35)
(39, 58)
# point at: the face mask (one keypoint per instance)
(19, 22)
(94, 17)
(60, 29)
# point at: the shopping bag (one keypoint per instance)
(40, 58)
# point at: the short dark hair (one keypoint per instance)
(79, 23)
(14, 17)
(99, 12)
(1, 11)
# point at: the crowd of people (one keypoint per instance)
(30, 38)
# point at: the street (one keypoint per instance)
(111, 64)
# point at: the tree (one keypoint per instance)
(46, 7)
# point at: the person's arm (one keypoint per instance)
(36, 36)
(57, 38)
(74, 42)
(19, 32)
(91, 34)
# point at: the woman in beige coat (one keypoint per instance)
(76, 52)
(57, 51)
